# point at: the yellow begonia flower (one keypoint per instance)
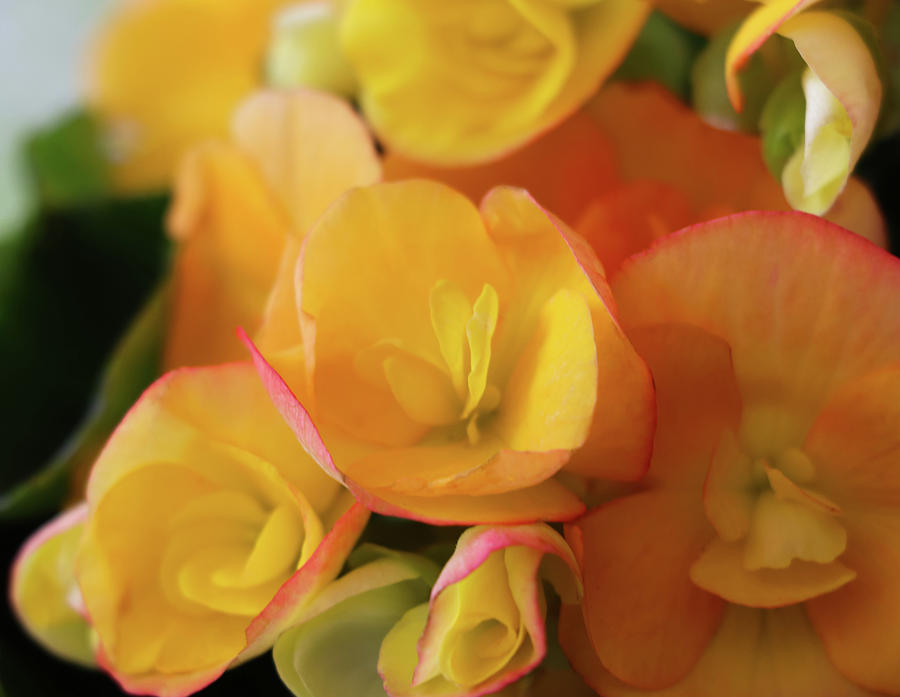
(43, 592)
(462, 82)
(241, 209)
(484, 625)
(842, 88)
(208, 529)
(452, 358)
(164, 74)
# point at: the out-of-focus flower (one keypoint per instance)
(462, 82)
(706, 16)
(451, 358)
(484, 625)
(758, 556)
(565, 169)
(333, 649)
(165, 74)
(842, 89)
(241, 209)
(305, 50)
(43, 591)
(208, 529)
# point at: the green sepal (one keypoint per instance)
(782, 123)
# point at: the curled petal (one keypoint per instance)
(43, 591)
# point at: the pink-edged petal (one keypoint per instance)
(803, 305)
(758, 27)
(546, 255)
(43, 592)
(293, 412)
(319, 570)
(548, 500)
(493, 574)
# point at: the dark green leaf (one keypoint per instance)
(133, 366)
(663, 52)
(66, 162)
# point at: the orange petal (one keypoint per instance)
(231, 232)
(859, 620)
(657, 137)
(754, 653)
(647, 621)
(564, 169)
(629, 218)
(854, 445)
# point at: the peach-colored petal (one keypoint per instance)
(648, 622)
(766, 283)
(310, 146)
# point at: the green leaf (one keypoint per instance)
(782, 123)
(663, 52)
(70, 284)
(135, 363)
(67, 163)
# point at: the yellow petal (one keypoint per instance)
(480, 333)
(549, 399)
(720, 569)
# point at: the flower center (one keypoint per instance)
(229, 554)
(455, 390)
(778, 538)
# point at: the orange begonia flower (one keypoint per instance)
(207, 531)
(241, 209)
(758, 556)
(451, 357)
